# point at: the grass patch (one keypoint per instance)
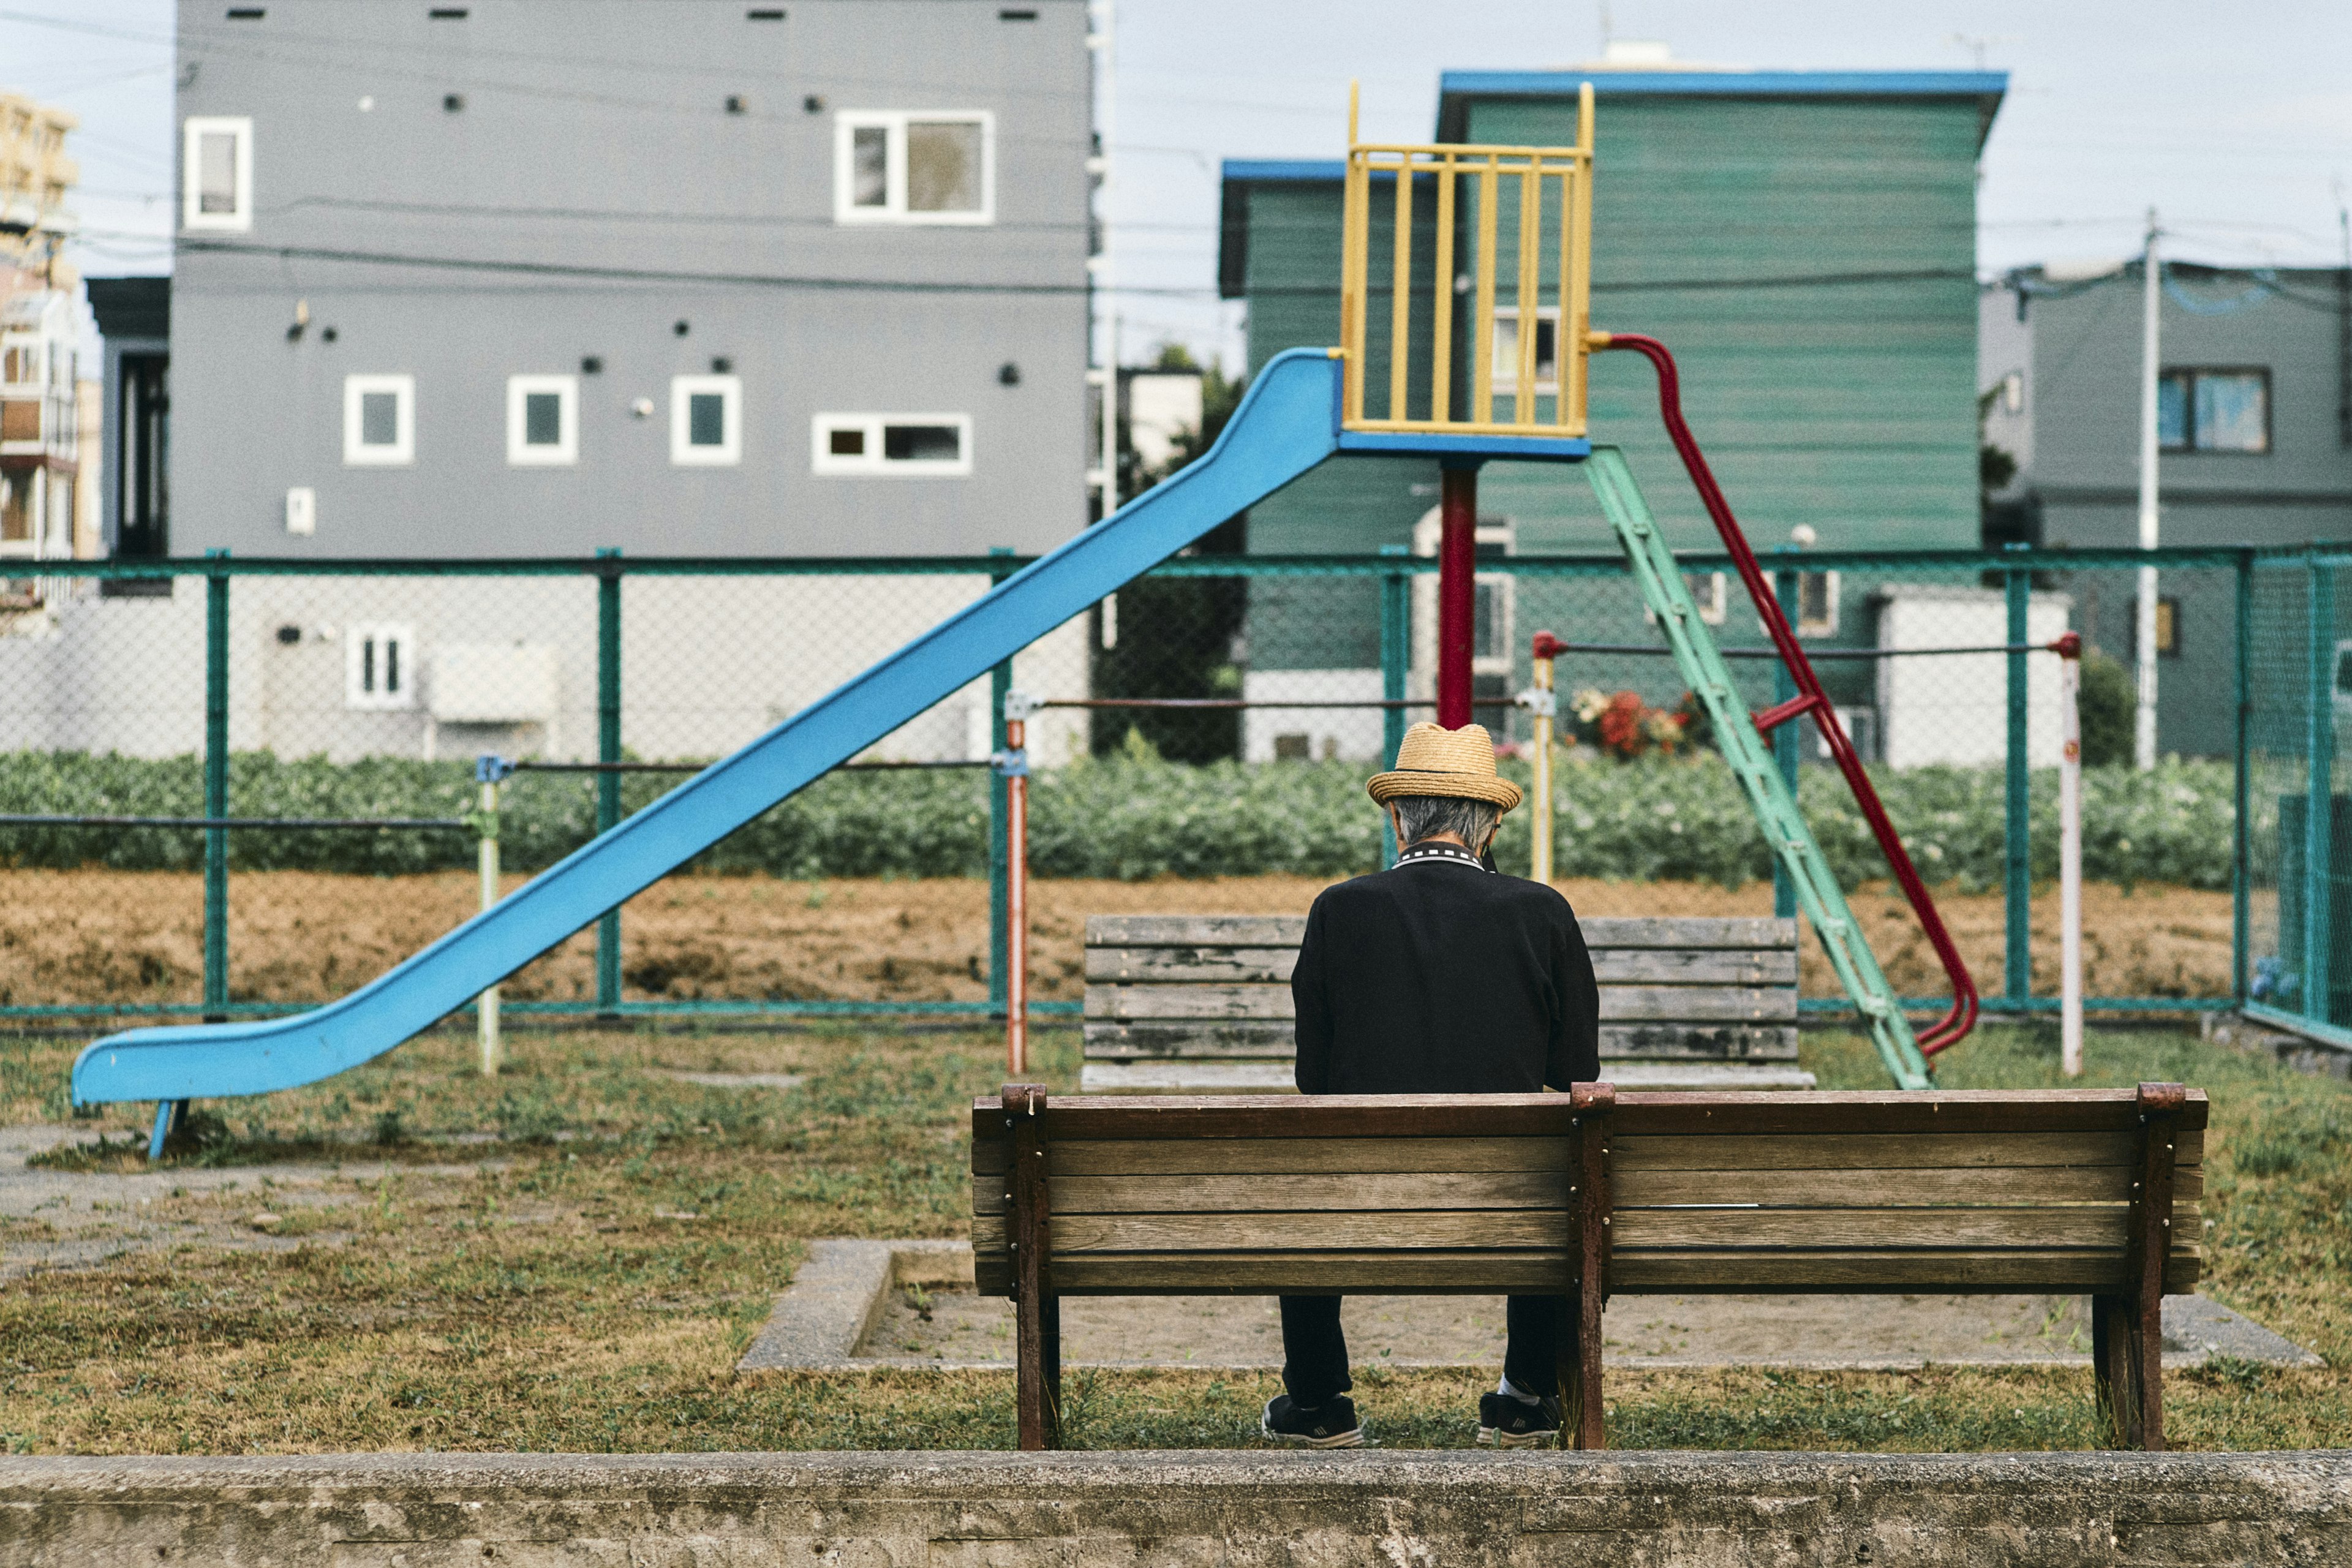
(572, 1257)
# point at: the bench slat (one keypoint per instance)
(1267, 1041)
(1688, 930)
(1430, 1273)
(1195, 930)
(1815, 1113)
(1872, 1230)
(1273, 965)
(1295, 1156)
(1992, 1272)
(1924, 1188)
(1618, 1003)
(1874, 1152)
(1539, 1229)
(1163, 1073)
(1294, 1194)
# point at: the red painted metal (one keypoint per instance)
(1457, 601)
(1962, 1018)
(1780, 713)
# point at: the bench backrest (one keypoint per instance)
(1992, 1192)
(1201, 1001)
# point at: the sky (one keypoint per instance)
(2235, 123)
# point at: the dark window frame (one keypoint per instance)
(2188, 375)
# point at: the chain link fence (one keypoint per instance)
(1214, 719)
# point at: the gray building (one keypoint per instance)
(2254, 400)
(516, 277)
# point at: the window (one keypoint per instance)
(1493, 646)
(1817, 603)
(379, 420)
(380, 665)
(705, 420)
(1506, 350)
(1707, 590)
(908, 444)
(915, 168)
(2213, 411)
(542, 420)
(216, 175)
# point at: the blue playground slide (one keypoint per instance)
(1289, 422)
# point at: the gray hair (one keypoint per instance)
(1469, 820)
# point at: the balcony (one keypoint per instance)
(39, 425)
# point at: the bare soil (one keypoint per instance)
(137, 936)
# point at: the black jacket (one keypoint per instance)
(1437, 977)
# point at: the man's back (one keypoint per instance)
(1440, 977)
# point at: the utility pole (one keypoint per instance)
(2144, 642)
(1102, 18)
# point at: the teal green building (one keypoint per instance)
(1805, 244)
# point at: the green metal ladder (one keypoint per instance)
(1704, 671)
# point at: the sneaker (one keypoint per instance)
(1332, 1425)
(1504, 1422)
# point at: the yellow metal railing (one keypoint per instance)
(1553, 218)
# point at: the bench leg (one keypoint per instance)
(1037, 1352)
(1050, 1324)
(2127, 1360)
(1581, 1424)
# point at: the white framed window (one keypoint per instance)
(380, 665)
(927, 166)
(1494, 601)
(705, 420)
(379, 420)
(1817, 603)
(216, 173)
(1709, 591)
(912, 445)
(1506, 350)
(542, 420)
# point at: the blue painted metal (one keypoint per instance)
(1333, 169)
(166, 1113)
(1532, 449)
(1283, 428)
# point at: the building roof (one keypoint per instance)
(1456, 89)
(132, 307)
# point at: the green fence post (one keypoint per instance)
(1000, 805)
(2241, 847)
(608, 750)
(1396, 658)
(1785, 741)
(2319, 813)
(2017, 916)
(215, 789)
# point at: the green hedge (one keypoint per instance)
(1127, 818)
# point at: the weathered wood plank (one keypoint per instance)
(2019, 1269)
(1695, 966)
(1320, 1273)
(1214, 1001)
(1698, 1004)
(1688, 930)
(1132, 1043)
(1214, 1075)
(1462, 1230)
(1195, 930)
(1373, 1193)
(1874, 1151)
(1191, 965)
(1284, 1156)
(1697, 1042)
(1528, 1115)
(1715, 1077)
(1928, 1189)
(1871, 1230)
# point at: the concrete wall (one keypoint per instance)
(2017, 1511)
(591, 197)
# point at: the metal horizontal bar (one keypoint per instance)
(1228, 703)
(1815, 654)
(29, 1013)
(535, 767)
(408, 823)
(2296, 1022)
(1994, 1004)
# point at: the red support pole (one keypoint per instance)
(1457, 598)
(1016, 899)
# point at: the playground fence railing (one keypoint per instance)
(221, 717)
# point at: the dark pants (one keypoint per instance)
(1315, 1350)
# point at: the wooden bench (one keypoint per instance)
(1193, 1002)
(1595, 1194)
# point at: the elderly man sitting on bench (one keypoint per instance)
(1438, 976)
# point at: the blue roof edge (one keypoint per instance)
(1859, 84)
(1284, 169)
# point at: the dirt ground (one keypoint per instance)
(137, 936)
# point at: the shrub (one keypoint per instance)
(2106, 703)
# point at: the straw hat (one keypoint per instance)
(1459, 763)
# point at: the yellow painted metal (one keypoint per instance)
(1547, 224)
